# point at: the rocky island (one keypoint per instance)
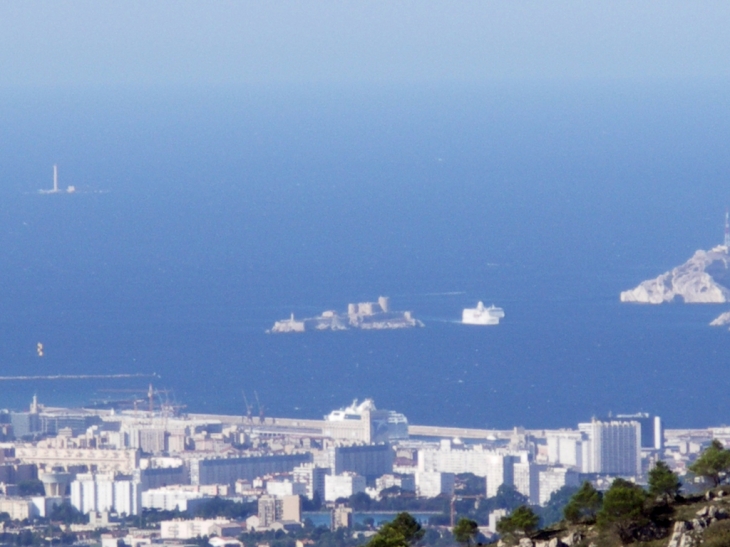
(721, 320)
(364, 315)
(703, 279)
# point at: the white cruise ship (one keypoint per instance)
(481, 315)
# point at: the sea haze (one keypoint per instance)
(202, 216)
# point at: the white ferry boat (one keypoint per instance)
(482, 315)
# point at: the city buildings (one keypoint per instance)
(106, 492)
(370, 461)
(652, 433)
(565, 447)
(500, 471)
(286, 488)
(341, 517)
(494, 517)
(430, 484)
(406, 483)
(343, 485)
(18, 508)
(312, 477)
(229, 470)
(273, 509)
(172, 499)
(526, 477)
(612, 447)
(446, 458)
(123, 463)
(552, 479)
(189, 529)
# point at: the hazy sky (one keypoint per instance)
(201, 43)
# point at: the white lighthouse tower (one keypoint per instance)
(55, 190)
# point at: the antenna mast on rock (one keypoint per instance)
(727, 229)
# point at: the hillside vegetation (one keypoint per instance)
(626, 514)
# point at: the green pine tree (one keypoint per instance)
(465, 531)
(623, 509)
(584, 505)
(663, 482)
(403, 531)
(523, 520)
(713, 464)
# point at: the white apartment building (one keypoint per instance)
(286, 488)
(430, 484)
(312, 477)
(446, 459)
(565, 448)
(495, 466)
(612, 447)
(169, 499)
(105, 492)
(189, 529)
(18, 508)
(527, 480)
(342, 486)
(404, 482)
(494, 517)
(500, 470)
(553, 479)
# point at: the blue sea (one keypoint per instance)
(203, 215)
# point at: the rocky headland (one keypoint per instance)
(703, 279)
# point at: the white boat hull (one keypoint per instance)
(482, 315)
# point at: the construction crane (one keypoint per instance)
(151, 396)
(459, 497)
(248, 408)
(261, 409)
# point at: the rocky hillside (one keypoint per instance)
(704, 278)
(698, 521)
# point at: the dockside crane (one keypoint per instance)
(249, 408)
(151, 396)
(166, 407)
(261, 409)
